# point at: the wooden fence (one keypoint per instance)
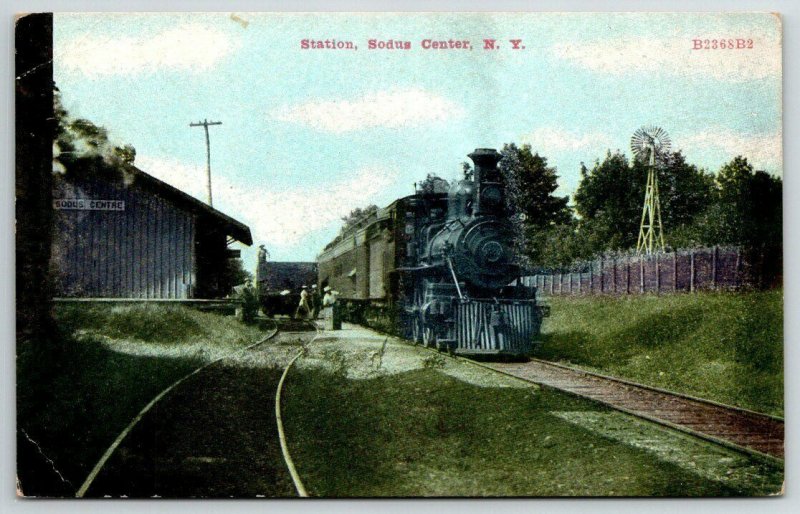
(700, 269)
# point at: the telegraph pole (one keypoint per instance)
(205, 124)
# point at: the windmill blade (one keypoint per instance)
(650, 137)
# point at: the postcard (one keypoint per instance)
(357, 255)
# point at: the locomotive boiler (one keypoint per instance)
(439, 268)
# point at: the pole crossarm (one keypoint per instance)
(205, 124)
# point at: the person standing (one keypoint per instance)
(303, 303)
(316, 301)
(329, 299)
(332, 316)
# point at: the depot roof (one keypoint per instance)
(233, 228)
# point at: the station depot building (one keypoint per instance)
(126, 234)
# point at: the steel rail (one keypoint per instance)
(287, 457)
(658, 389)
(758, 455)
(122, 435)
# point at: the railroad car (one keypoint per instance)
(439, 268)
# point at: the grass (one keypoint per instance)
(424, 433)
(726, 347)
(76, 393)
(363, 417)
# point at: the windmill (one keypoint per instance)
(650, 144)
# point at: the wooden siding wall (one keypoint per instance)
(145, 251)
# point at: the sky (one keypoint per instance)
(308, 135)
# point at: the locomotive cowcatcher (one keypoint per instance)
(439, 268)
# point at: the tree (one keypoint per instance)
(357, 215)
(530, 186)
(235, 273)
(609, 203)
(747, 210)
(82, 144)
(610, 196)
(433, 184)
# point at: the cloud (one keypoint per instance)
(764, 151)
(189, 47)
(675, 56)
(390, 109)
(551, 139)
(279, 218)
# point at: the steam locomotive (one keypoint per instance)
(439, 268)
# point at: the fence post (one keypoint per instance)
(628, 272)
(580, 282)
(737, 272)
(674, 271)
(591, 278)
(714, 268)
(691, 271)
(658, 273)
(602, 275)
(641, 275)
(614, 275)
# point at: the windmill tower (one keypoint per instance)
(649, 144)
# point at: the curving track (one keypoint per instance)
(115, 445)
(741, 429)
(298, 483)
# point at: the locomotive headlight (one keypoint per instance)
(492, 252)
(491, 198)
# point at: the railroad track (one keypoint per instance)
(287, 457)
(741, 429)
(87, 483)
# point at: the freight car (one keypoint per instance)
(440, 268)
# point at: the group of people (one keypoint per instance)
(311, 302)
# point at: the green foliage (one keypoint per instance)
(610, 196)
(423, 433)
(530, 186)
(750, 205)
(435, 361)
(684, 191)
(84, 146)
(358, 215)
(723, 346)
(562, 244)
(433, 184)
(744, 208)
(113, 360)
(235, 274)
(608, 202)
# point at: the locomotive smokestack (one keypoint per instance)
(488, 195)
(485, 160)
